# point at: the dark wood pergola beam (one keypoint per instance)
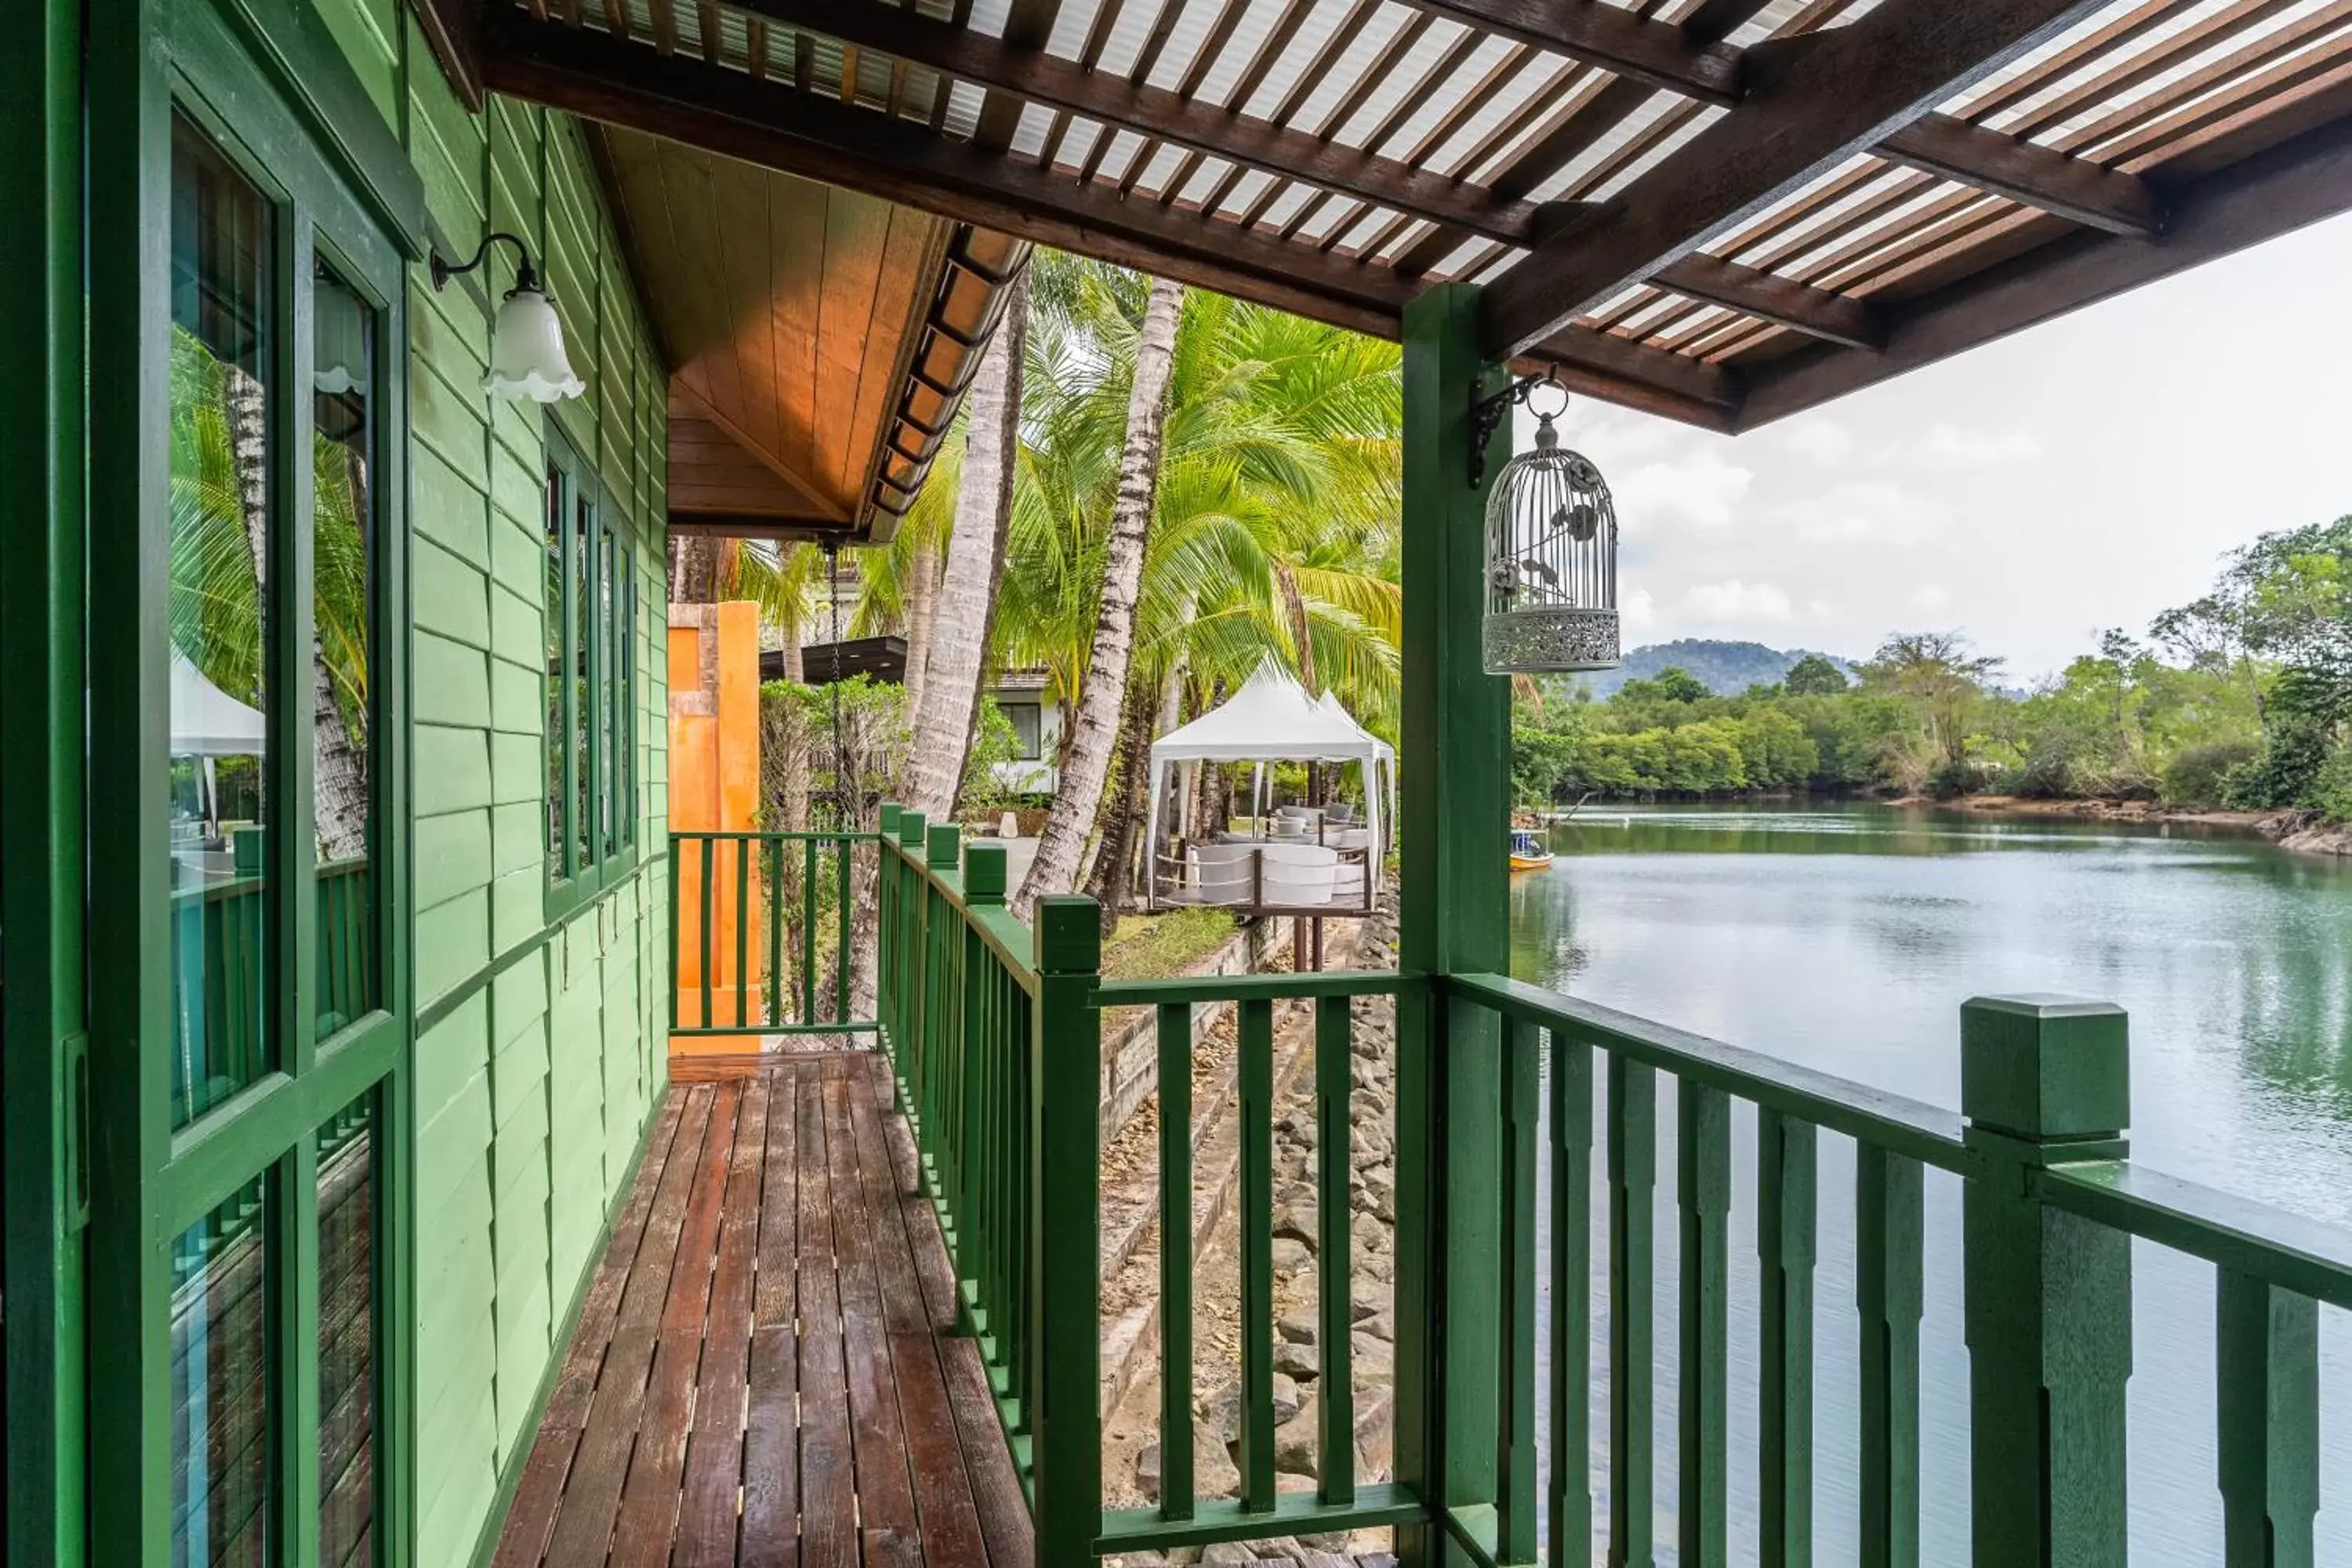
(1154, 112)
(1816, 312)
(1812, 102)
(2073, 188)
(597, 75)
(2272, 193)
(1658, 53)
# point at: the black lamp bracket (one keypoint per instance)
(525, 278)
(1486, 412)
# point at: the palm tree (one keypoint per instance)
(1153, 353)
(219, 566)
(1274, 532)
(943, 711)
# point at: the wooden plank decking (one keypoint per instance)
(766, 1370)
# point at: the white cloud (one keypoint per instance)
(1880, 511)
(1639, 610)
(1953, 446)
(1818, 439)
(1734, 601)
(1932, 599)
(1699, 490)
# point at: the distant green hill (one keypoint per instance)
(1727, 668)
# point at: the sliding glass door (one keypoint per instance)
(248, 966)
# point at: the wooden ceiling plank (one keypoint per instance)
(2073, 188)
(707, 10)
(756, 49)
(2272, 68)
(1658, 53)
(699, 407)
(2273, 193)
(664, 25)
(1204, 59)
(795, 255)
(1151, 112)
(1817, 103)
(1715, 20)
(1270, 49)
(1816, 312)
(616, 18)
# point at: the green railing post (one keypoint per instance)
(1065, 1048)
(918, 890)
(943, 993)
(2269, 1420)
(973, 1221)
(1454, 918)
(888, 951)
(2045, 1080)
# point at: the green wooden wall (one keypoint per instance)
(540, 1052)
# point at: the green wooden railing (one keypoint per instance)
(995, 1034)
(769, 914)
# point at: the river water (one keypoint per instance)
(1846, 938)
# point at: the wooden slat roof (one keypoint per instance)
(1720, 210)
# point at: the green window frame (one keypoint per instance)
(247, 1187)
(590, 624)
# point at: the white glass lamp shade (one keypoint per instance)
(526, 358)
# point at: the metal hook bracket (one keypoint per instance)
(1486, 412)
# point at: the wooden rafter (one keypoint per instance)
(1812, 105)
(2270, 194)
(2073, 188)
(1817, 312)
(1615, 40)
(900, 160)
(1153, 112)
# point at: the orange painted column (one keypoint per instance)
(714, 786)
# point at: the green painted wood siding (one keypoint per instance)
(539, 1057)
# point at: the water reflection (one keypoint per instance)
(1846, 939)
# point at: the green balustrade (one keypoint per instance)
(994, 1037)
(787, 897)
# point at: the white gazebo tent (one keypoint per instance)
(208, 724)
(1272, 720)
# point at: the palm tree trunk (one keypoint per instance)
(922, 592)
(1111, 883)
(1055, 868)
(964, 613)
(693, 570)
(339, 770)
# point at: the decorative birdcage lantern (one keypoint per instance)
(1551, 547)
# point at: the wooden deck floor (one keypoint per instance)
(765, 1371)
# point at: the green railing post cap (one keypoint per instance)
(890, 810)
(1068, 934)
(910, 829)
(940, 847)
(984, 872)
(2045, 1068)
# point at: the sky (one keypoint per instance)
(2090, 472)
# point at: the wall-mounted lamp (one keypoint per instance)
(526, 358)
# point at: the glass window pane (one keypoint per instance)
(628, 657)
(342, 532)
(553, 622)
(1027, 738)
(221, 1385)
(583, 699)
(222, 903)
(347, 1329)
(610, 708)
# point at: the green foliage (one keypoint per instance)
(2283, 773)
(1158, 947)
(1813, 676)
(2331, 786)
(2199, 774)
(982, 797)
